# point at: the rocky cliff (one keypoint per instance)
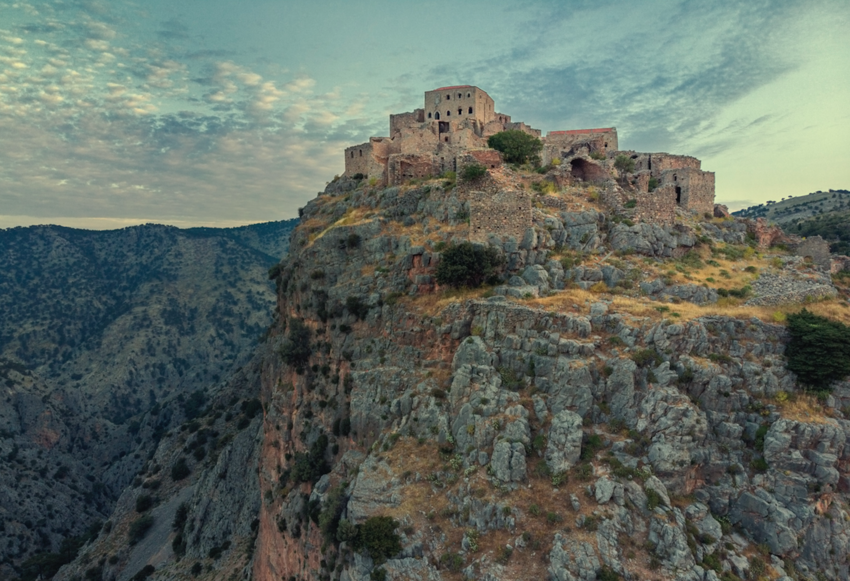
(617, 407)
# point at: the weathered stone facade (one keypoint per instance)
(506, 213)
(816, 248)
(452, 129)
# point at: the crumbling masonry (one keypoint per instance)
(452, 129)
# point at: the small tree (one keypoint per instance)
(467, 264)
(624, 163)
(472, 172)
(296, 351)
(517, 146)
(819, 349)
(377, 537)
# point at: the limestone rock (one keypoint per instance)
(564, 443)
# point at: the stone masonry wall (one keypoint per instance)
(698, 192)
(657, 206)
(411, 119)
(817, 248)
(506, 213)
(361, 159)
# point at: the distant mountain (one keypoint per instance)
(825, 214)
(97, 330)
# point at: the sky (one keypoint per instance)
(221, 113)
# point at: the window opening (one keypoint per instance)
(678, 195)
(448, 97)
(361, 153)
(675, 179)
(468, 95)
(447, 139)
(460, 95)
(470, 110)
(460, 111)
(448, 113)
(437, 115)
(429, 115)
(352, 155)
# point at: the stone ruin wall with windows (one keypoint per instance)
(451, 131)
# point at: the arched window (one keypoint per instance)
(352, 155)
(448, 113)
(460, 95)
(429, 115)
(468, 95)
(470, 110)
(448, 97)
(437, 115)
(460, 111)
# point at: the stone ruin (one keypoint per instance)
(452, 129)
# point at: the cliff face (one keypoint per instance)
(598, 416)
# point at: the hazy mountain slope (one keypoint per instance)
(792, 210)
(103, 337)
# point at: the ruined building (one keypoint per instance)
(452, 129)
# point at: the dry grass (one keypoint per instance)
(352, 217)
(562, 302)
(805, 409)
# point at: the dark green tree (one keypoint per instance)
(467, 264)
(819, 349)
(295, 352)
(516, 146)
(377, 537)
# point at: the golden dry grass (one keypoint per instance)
(805, 409)
(351, 218)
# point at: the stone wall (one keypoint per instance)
(697, 192)
(657, 206)
(367, 158)
(404, 120)
(489, 158)
(404, 166)
(815, 247)
(506, 213)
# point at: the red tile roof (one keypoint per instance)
(455, 87)
(579, 131)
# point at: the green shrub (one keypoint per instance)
(357, 307)
(516, 146)
(452, 561)
(377, 537)
(645, 357)
(653, 183)
(353, 240)
(144, 502)
(143, 573)
(653, 499)
(472, 172)
(467, 265)
(759, 465)
(624, 163)
(180, 470)
(139, 528)
(296, 351)
(590, 445)
(630, 204)
(606, 573)
(819, 349)
(310, 466)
